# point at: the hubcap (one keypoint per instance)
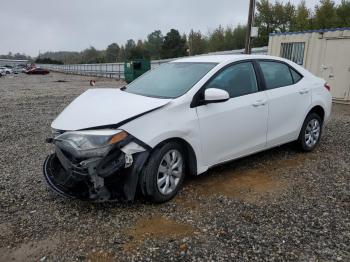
(312, 132)
(170, 172)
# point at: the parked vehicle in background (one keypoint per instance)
(38, 71)
(6, 69)
(184, 117)
(17, 70)
(2, 72)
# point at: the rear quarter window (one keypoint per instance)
(296, 76)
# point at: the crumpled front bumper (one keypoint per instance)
(98, 179)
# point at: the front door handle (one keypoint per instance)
(259, 103)
(304, 91)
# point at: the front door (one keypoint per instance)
(238, 126)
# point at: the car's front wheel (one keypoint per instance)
(164, 173)
(311, 131)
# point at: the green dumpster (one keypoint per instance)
(134, 69)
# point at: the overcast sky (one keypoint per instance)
(73, 25)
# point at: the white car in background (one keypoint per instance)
(6, 70)
(182, 118)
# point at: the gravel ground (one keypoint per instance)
(276, 205)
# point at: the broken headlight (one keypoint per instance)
(87, 144)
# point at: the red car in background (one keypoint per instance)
(38, 71)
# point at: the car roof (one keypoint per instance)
(223, 58)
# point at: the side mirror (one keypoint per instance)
(215, 95)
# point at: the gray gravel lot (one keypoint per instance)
(277, 205)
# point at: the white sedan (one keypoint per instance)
(182, 119)
(6, 70)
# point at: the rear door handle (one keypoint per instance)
(259, 103)
(304, 91)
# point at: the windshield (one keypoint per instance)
(170, 80)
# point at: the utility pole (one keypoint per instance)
(248, 39)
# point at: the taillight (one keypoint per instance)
(327, 86)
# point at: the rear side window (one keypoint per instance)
(276, 74)
(237, 80)
(296, 76)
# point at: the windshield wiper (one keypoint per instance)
(123, 88)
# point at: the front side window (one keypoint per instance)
(276, 74)
(237, 80)
(169, 80)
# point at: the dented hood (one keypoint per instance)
(104, 107)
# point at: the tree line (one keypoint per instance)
(270, 17)
(280, 17)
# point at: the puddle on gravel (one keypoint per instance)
(248, 185)
(186, 202)
(31, 251)
(156, 228)
(100, 256)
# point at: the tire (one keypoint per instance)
(157, 174)
(311, 131)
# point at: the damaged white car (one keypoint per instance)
(182, 118)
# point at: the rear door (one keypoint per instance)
(238, 126)
(289, 99)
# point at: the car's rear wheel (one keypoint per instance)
(311, 132)
(164, 173)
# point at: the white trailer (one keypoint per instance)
(325, 53)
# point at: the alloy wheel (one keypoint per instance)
(312, 132)
(170, 172)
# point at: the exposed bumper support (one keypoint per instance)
(112, 178)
